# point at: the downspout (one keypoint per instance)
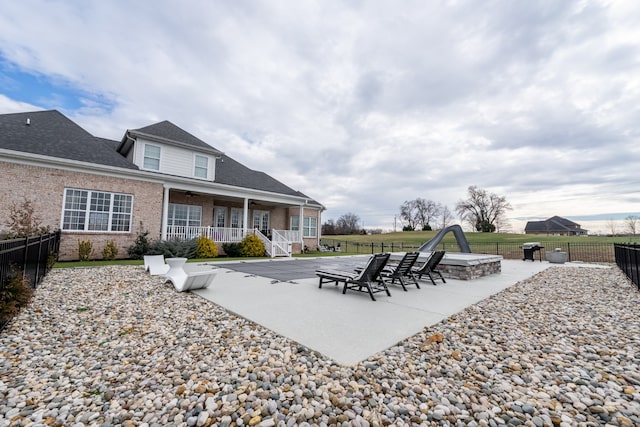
(165, 214)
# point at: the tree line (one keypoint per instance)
(482, 210)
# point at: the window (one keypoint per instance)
(151, 157)
(219, 216)
(86, 210)
(236, 218)
(184, 215)
(201, 166)
(310, 227)
(295, 223)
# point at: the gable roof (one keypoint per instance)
(167, 132)
(553, 224)
(50, 133)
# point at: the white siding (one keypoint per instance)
(174, 160)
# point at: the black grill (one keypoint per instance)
(530, 249)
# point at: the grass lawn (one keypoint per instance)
(408, 238)
(417, 238)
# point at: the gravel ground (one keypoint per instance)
(112, 346)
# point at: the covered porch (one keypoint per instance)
(285, 225)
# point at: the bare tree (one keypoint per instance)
(482, 209)
(612, 226)
(425, 212)
(631, 223)
(329, 228)
(445, 217)
(407, 214)
(348, 224)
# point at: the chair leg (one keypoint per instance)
(384, 285)
(370, 291)
(431, 277)
(401, 280)
(413, 280)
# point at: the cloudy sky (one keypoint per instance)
(361, 105)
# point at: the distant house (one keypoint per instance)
(555, 226)
(158, 178)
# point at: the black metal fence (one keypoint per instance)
(30, 256)
(628, 259)
(585, 252)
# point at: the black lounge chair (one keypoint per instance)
(402, 271)
(429, 268)
(367, 280)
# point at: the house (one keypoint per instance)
(158, 178)
(556, 226)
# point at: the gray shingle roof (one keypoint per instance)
(231, 172)
(554, 224)
(52, 134)
(167, 131)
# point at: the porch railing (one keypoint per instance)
(281, 241)
(268, 244)
(278, 245)
(217, 234)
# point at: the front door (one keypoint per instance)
(220, 216)
(261, 221)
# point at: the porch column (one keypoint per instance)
(301, 225)
(165, 214)
(319, 229)
(245, 216)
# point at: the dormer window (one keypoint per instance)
(201, 169)
(151, 157)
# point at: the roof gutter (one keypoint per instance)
(178, 183)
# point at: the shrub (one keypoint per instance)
(85, 249)
(141, 245)
(52, 258)
(252, 246)
(13, 296)
(23, 221)
(232, 249)
(206, 248)
(174, 248)
(110, 250)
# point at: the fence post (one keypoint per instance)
(25, 257)
(569, 251)
(39, 263)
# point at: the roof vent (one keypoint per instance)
(28, 121)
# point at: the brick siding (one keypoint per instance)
(44, 187)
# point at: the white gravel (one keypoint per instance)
(111, 346)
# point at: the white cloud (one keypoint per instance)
(363, 105)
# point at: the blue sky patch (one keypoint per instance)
(46, 91)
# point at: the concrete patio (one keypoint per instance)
(349, 328)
